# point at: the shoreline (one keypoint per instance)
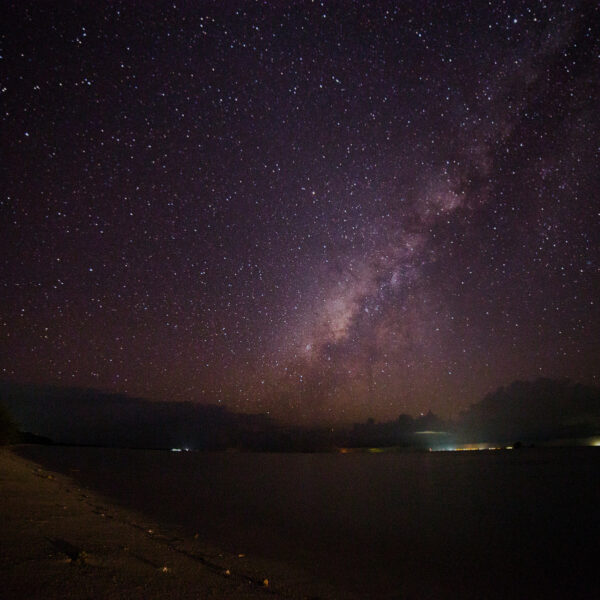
(59, 540)
(128, 524)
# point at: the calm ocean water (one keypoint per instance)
(508, 524)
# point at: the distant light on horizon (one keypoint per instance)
(470, 448)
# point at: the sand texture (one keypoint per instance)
(60, 541)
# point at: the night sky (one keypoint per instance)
(323, 210)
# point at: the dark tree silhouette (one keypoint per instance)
(8, 429)
(535, 410)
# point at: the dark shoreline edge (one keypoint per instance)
(59, 540)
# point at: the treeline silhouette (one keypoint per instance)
(8, 428)
(524, 411)
(81, 416)
(405, 431)
(534, 411)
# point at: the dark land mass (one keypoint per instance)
(523, 412)
(534, 410)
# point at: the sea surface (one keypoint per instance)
(492, 524)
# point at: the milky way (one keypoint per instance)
(323, 210)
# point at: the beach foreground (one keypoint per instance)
(415, 526)
(60, 541)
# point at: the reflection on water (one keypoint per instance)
(507, 524)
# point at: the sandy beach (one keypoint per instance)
(60, 541)
(116, 523)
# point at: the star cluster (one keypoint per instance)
(320, 210)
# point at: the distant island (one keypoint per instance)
(525, 412)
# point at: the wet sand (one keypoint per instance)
(58, 540)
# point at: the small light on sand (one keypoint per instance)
(266, 582)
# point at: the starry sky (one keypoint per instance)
(326, 211)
